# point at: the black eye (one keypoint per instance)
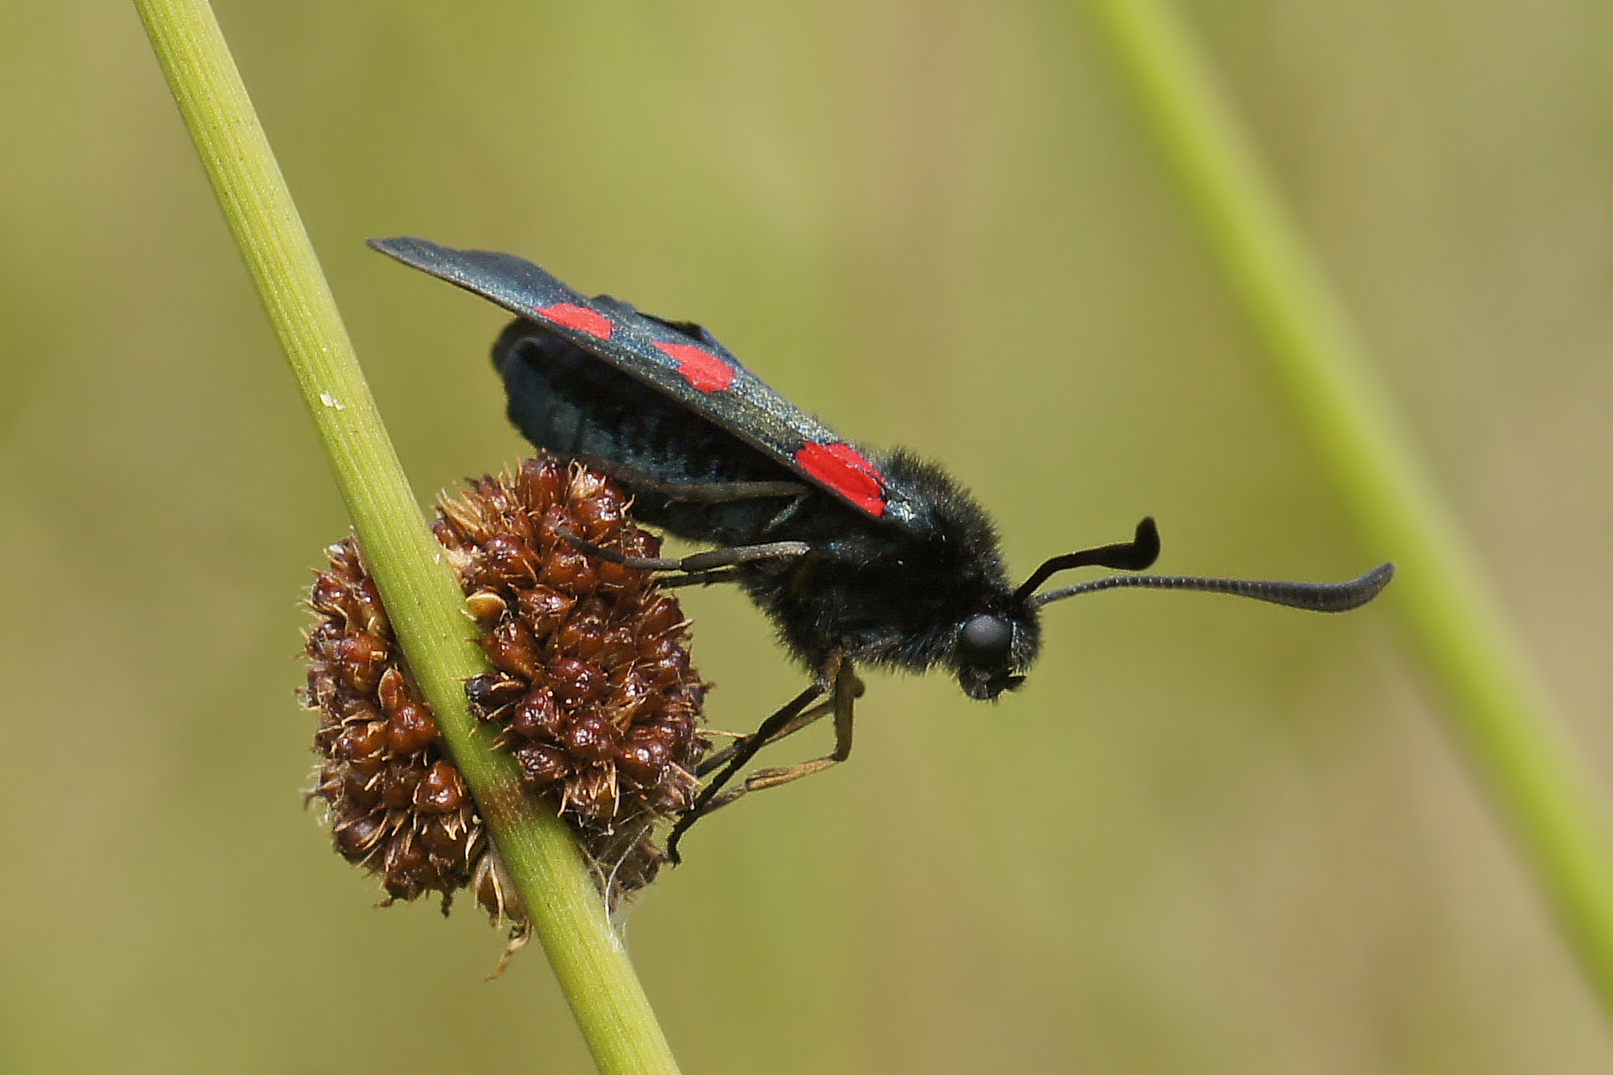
(985, 639)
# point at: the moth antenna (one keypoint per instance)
(1312, 596)
(1134, 555)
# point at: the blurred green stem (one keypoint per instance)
(1499, 712)
(422, 596)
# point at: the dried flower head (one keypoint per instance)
(592, 694)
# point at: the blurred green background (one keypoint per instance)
(1207, 837)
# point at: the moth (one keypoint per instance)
(858, 557)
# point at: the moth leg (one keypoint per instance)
(744, 742)
(698, 492)
(843, 687)
(703, 578)
(736, 756)
(724, 492)
(700, 562)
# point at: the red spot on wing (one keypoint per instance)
(699, 367)
(848, 472)
(580, 318)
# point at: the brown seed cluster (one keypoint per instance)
(396, 804)
(593, 693)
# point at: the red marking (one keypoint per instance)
(848, 472)
(580, 318)
(699, 367)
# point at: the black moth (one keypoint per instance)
(883, 561)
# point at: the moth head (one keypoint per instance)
(994, 648)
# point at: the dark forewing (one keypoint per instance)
(680, 360)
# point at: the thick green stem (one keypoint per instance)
(1499, 711)
(421, 595)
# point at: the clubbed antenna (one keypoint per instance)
(1143, 549)
(1313, 596)
(1134, 555)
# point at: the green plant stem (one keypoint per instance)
(1499, 712)
(422, 596)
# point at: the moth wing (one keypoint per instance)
(678, 359)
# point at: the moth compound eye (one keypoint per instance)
(985, 639)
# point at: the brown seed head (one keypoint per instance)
(593, 693)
